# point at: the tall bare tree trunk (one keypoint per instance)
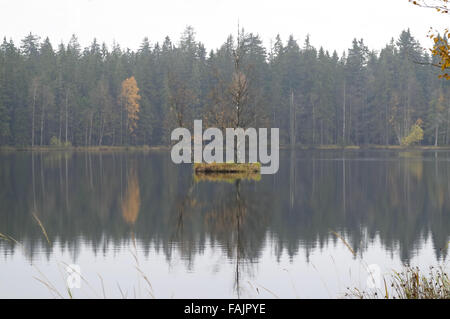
(343, 114)
(386, 131)
(42, 123)
(436, 135)
(292, 122)
(321, 131)
(314, 124)
(34, 108)
(90, 129)
(102, 128)
(86, 135)
(113, 136)
(60, 125)
(350, 127)
(67, 111)
(408, 109)
(121, 128)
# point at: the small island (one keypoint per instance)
(227, 172)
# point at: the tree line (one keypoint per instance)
(67, 95)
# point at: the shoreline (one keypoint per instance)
(143, 148)
(146, 148)
(367, 147)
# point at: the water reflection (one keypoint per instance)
(102, 199)
(131, 201)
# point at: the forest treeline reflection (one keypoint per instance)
(103, 199)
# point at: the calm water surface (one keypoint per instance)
(115, 213)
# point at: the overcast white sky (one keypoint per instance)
(331, 23)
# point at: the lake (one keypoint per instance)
(139, 226)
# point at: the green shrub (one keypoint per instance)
(415, 135)
(54, 141)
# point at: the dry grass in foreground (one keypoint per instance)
(411, 283)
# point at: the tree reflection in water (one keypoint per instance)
(102, 198)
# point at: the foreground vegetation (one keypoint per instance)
(411, 283)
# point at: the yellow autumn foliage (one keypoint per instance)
(441, 47)
(129, 97)
(415, 135)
